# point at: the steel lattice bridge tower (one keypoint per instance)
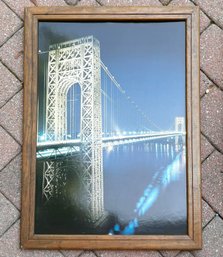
(78, 63)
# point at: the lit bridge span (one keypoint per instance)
(70, 146)
(84, 109)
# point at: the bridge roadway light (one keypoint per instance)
(109, 148)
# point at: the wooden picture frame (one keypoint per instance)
(192, 240)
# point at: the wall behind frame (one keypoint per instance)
(11, 77)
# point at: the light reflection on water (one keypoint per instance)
(162, 167)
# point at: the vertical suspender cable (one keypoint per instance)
(112, 106)
(75, 109)
(106, 107)
(70, 110)
(104, 103)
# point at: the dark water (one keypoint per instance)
(145, 187)
(144, 193)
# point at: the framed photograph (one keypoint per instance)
(111, 153)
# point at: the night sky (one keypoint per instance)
(147, 59)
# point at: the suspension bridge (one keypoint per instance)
(83, 115)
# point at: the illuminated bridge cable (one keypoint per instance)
(111, 106)
(106, 104)
(117, 85)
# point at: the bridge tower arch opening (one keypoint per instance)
(70, 63)
(179, 127)
(179, 124)
(73, 117)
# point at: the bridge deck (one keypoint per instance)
(77, 142)
(49, 148)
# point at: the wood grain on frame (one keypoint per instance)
(32, 16)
